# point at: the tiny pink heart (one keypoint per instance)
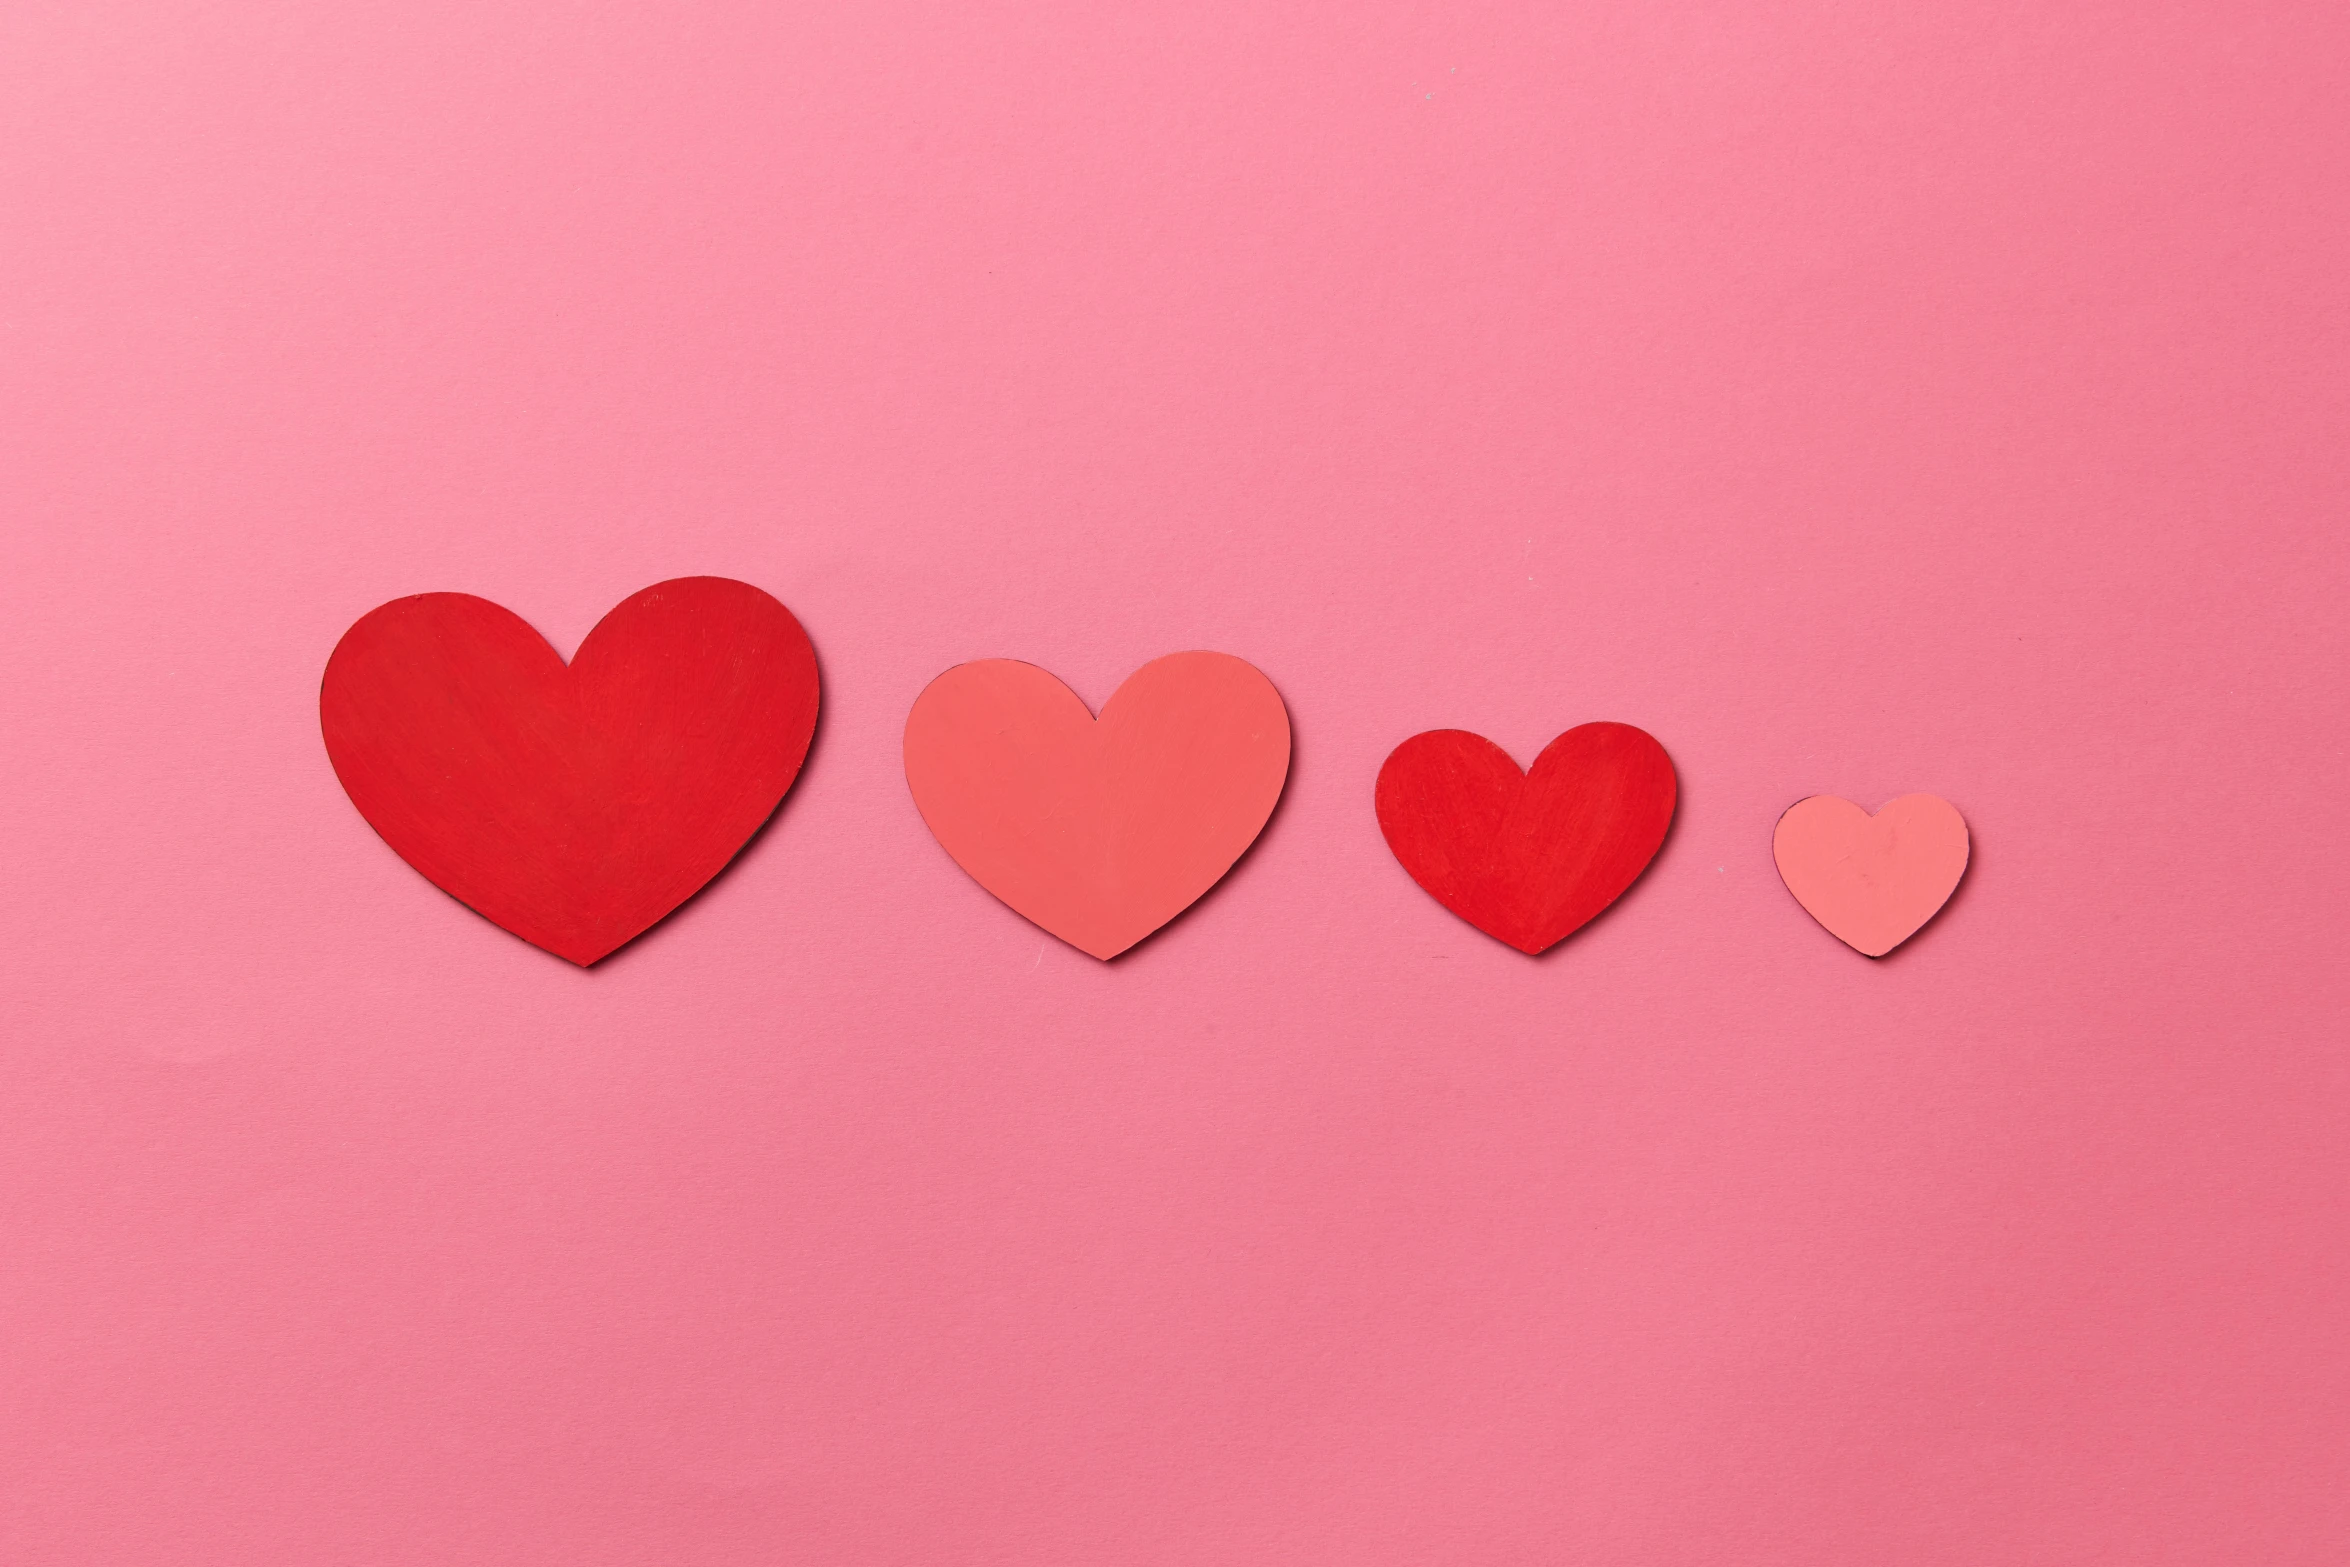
(1871, 880)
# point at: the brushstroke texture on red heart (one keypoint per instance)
(1527, 857)
(575, 805)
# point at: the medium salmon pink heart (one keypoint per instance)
(575, 805)
(1098, 829)
(1871, 880)
(1527, 857)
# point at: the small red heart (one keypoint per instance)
(1527, 857)
(578, 804)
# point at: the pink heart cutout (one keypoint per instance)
(1098, 829)
(1871, 880)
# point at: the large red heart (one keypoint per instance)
(1527, 857)
(574, 805)
(1099, 830)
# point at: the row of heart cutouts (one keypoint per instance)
(577, 805)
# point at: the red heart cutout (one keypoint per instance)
(575, 805)
(1527, 857)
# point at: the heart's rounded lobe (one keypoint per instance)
(575, 805)
(1527, 857)
(1098, 829)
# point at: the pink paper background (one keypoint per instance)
(1861, 398)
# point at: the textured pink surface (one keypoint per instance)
(1859, 398)
(1099, 828)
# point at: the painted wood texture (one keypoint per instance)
(1527, 857)
(1100, 830)
(1873, 881)
(575, 805)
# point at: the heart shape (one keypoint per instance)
(1098, 829)
(575, 805)
(1871, 880)
(1527, 857)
